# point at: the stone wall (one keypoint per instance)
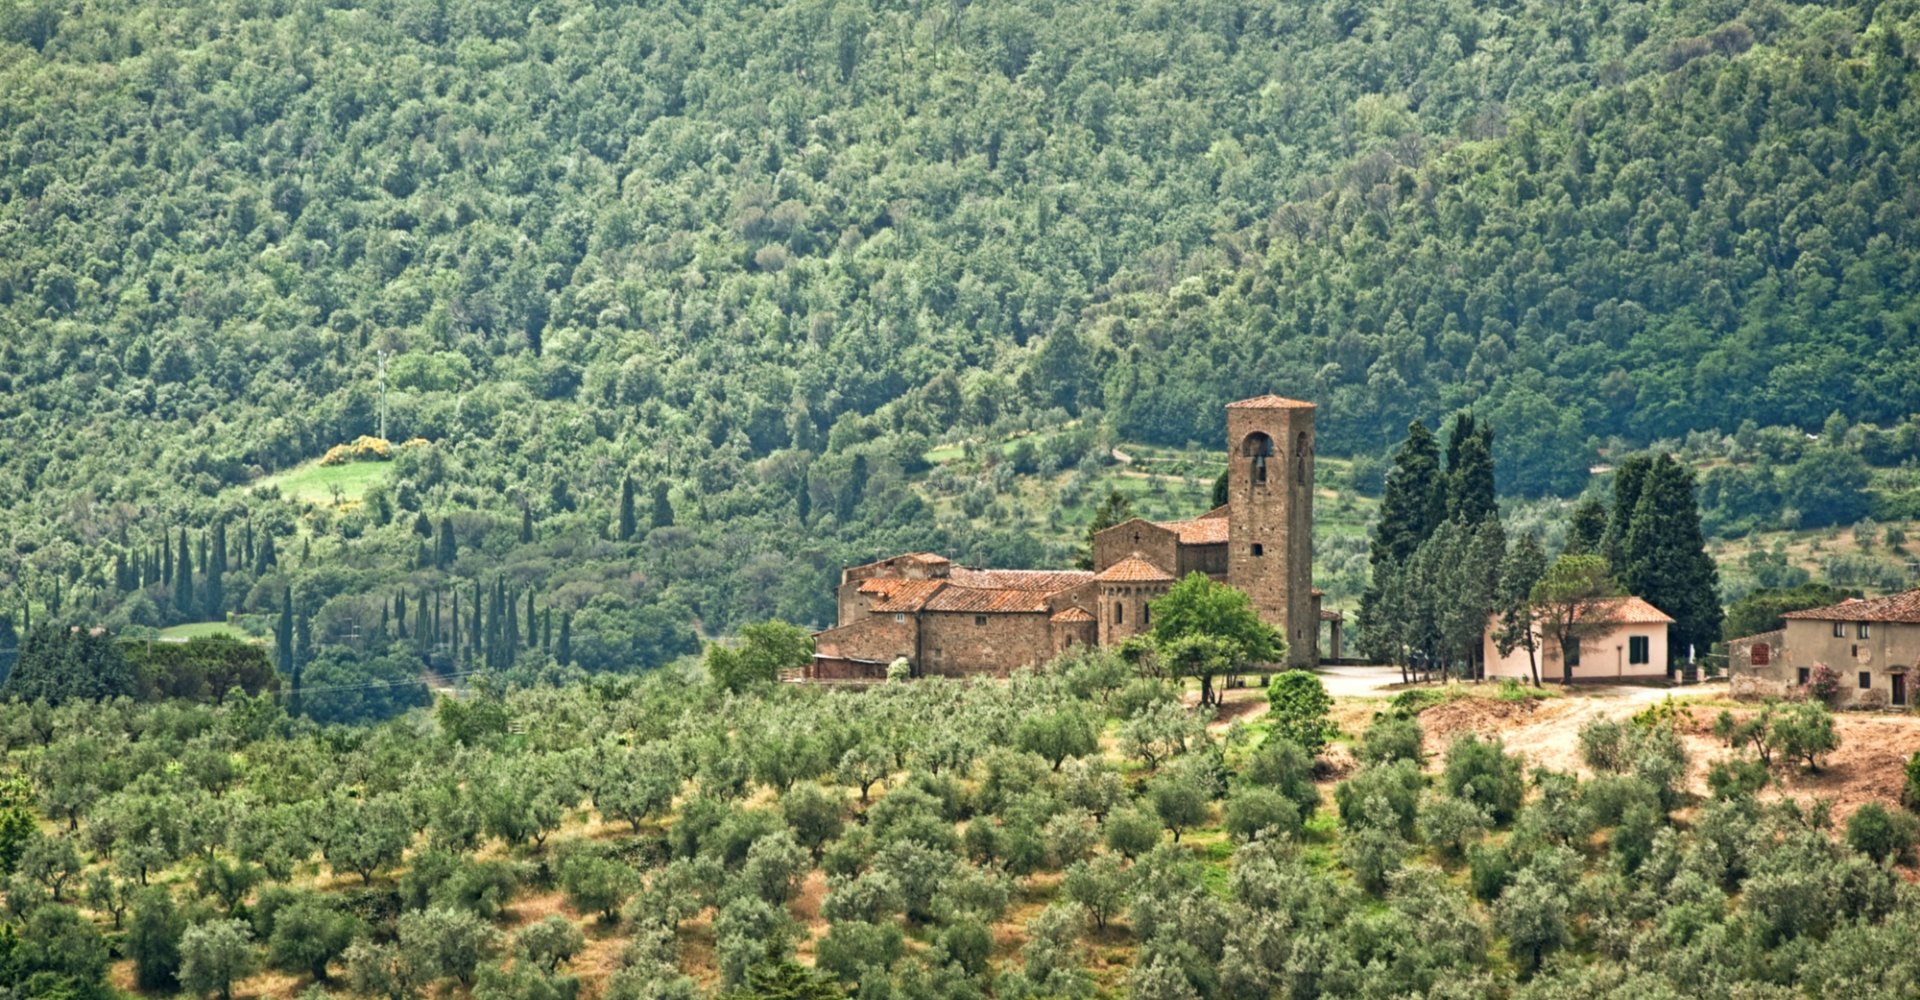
(958, 644)
(876, 637)
(1155, 544)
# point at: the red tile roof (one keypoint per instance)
(1199, 531)
(1269, 402)
(1627, 611)
(901, 595)
(1132, 569)
(1071, 615)
(1047, 581)
(1902, 607)
(978, 600)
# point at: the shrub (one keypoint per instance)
(1281, 765)
(1391, 738)
(1448, 824)
(1737, 778)
(1910, 791)
(1252, 811)
(1881, 833)
(1823, 682)
(1804, 731)
(1299, 704)
(1483, 773)
(1395, 786)
(1490, 868)
(1132, 832)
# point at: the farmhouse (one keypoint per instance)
(944, 619)
(1624, 638)
(1873, 643)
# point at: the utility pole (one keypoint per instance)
(383, 395)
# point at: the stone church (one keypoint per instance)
(953, 620)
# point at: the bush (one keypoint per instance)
(1804, 731)
(1881, 833)
(1300, 704)
(1823, 682)
(1490, 869)
(1396, 789)
(1448, 824)
(1391, 738)
(1483, 773)
(1910, 791)
(1280, 764)
(1132, 832)
(1252, 811)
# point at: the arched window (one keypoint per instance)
(1257, 448)
(1119, 613)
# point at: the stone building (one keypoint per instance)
(944, 619)
(1872, 643)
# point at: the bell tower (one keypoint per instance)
(1270, 516)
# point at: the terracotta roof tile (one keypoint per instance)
(1199, 531)
(1132, 569)
(1046, 581)
(1329, 615)
(1628, 611)
(1220, 511)
(988, 601)
(901, 595)
(1071, 615)
(1901, 607)
(1270, 402)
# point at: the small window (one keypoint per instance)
(1803, 674)
(1839, 630)
(1146, 615)
(1866, 680)
(979, 619)
(1571, 653)
(1866, 631)
(899, 616)
(1119, 613)
(1639, 649)
(1259, 549)
(1761, 654)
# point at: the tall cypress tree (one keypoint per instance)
(283, 635)
(1470, 493)
(533, 631)
(448, 550)
(183, 578)
(510, 634)
(526, 524)
(1413, 505)
(400, 615)
(1627, 483)
(1586, 528)
(421, 638)
(218, 560)
(627, 524)
(563, 646)
(216, 602)
(267, 558)
(1665, 559)
(662, 507)
(166, 559)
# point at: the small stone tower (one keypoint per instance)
(1270, 516)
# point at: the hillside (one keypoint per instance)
(760, 260)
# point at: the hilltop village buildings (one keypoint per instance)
(944, 619)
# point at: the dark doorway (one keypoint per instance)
(1900, 690)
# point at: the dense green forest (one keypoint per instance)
(1070, 834)
(752, 263)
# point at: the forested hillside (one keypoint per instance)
(755, 259)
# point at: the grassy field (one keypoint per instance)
(315, 483)
(199, 630)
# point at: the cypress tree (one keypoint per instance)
(1470, 492)
(526, 524)
(533, 632)
(283, 635)
(475, 645)
(1627, 482)
(1586, 528)
(219, 560)
(166, 559)
(802, 500)
(267, 558)
(445, 555)
(546, 630)
(246, 544)
(662, 507)
(563, 646)
(510, 635)
(400, 615)
(1666, 561)
(216, 606)
(183, 578)
(1414, 502)
(423, 526)
(1412, 506)
(627, 524)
